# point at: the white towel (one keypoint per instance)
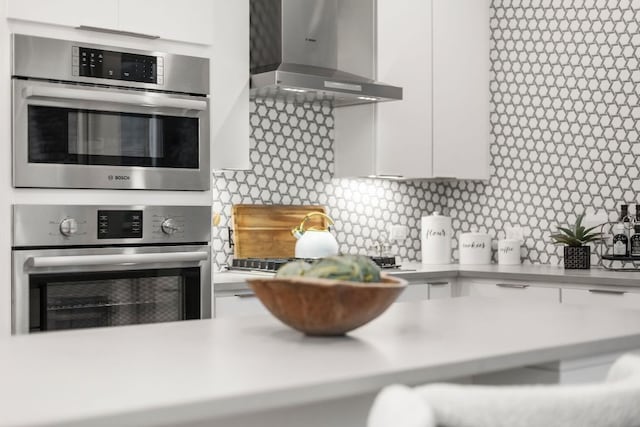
(615, 403)
(400, 406)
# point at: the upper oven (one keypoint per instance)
(92, 116)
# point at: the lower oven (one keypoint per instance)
(78, 283)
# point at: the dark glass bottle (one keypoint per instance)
(620, 240)
(625, 219)
(635, 242)
(624, 213)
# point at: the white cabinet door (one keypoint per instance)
(230, 85)
(73, 13)
(243, 303)
(184, 20)
(601, 298)
(461, 67)
(425, 291)
(404, 59)
(440, 290)
(510, 290)
(414, 292)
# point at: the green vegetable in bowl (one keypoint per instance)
(293, 268)
(354, 268)
(370, 270)
(335, 267)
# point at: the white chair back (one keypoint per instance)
(614, 403)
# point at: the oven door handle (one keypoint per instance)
(136, 99)
(118, 259)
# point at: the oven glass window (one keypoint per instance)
(87, 300)
(83, 137)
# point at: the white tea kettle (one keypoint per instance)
(314, 242)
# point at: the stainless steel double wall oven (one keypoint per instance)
(103, 117)
(93, 116)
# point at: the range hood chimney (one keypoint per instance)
(306, 50)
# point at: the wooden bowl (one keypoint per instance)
(323, 306)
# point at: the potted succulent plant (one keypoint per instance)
(577, 254)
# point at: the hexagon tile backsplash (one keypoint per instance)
(565, 122)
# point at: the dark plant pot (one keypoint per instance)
(577, 257)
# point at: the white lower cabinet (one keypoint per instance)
(425, 291)
(577, 371)
(414, 292)
(601, 298)
(510, 290)
(439, 290)
(241, 303)
(585, 370)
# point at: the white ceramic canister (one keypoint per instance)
(436, 239)
(509, 252)
(474, 248)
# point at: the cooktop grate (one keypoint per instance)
(273, 264)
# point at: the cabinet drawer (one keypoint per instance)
(439, 290)
(414, 292)
(511, 290)
(601, 298)
(242, 303)
(425, 291)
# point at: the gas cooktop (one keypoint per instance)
(273, 264)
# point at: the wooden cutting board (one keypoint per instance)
(264, 231)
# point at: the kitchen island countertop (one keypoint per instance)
(182, 372)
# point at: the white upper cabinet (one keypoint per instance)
(185, 20)
(230, 85)
(72, 13)
(438, 52)
(461, 67)
(181, 20)
(403, 128)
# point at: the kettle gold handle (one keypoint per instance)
(301, 228)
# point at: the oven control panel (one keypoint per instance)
(119, 224)
(59, 225)
(57, 60)
(107, 64)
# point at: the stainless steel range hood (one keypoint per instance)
(305, 50)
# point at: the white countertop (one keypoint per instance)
(526, 272)
(175, 372)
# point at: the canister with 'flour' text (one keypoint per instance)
(436, 239)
